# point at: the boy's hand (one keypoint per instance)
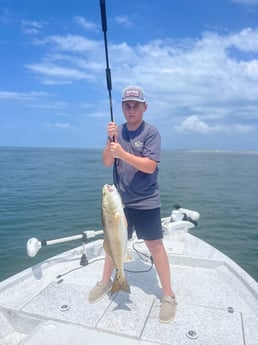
(112, 131)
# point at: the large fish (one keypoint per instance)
(115, 234)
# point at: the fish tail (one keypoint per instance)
(120, 283)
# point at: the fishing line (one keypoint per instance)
(140, 253)
(143, 256)
(79, 267)
(140, 271)
(59, 276)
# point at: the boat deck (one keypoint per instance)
(47, 304)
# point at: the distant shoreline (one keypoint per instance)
(222, 151)
(255, 152)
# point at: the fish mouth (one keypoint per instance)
(109, 188)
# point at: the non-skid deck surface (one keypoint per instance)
(202, 316)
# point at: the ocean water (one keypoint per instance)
(50, 193)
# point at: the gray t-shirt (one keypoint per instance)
(138, 189)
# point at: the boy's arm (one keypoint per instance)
(107, 157)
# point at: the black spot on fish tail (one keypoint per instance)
(120, 283)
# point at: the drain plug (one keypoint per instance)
(192, 335)
(64, 307)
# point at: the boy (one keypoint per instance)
(135, 148)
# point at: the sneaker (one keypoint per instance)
(99, 291)
(168, 309)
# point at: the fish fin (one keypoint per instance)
(106, 248)
(120, 283)
(128, 257)
(117, 217)
(125, 220)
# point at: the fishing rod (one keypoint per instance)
(108, 74)
(108, 71)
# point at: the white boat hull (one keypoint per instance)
(217, 301)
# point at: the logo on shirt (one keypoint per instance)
(138, 144)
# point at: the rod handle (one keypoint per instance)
(108, 76)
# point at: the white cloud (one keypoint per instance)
(84, 23)
(70, 43)
(246, 2)
(242, 128)
(32, 27)
(65, 125)
(195, 125)
(124, 20)
(245, 40)
(200, 74)
(191, 72)
(21, 96)
(60, 125)
(205, 76)
(57, 71)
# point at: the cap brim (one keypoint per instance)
(133, 99)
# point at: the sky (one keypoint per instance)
(197, 61)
